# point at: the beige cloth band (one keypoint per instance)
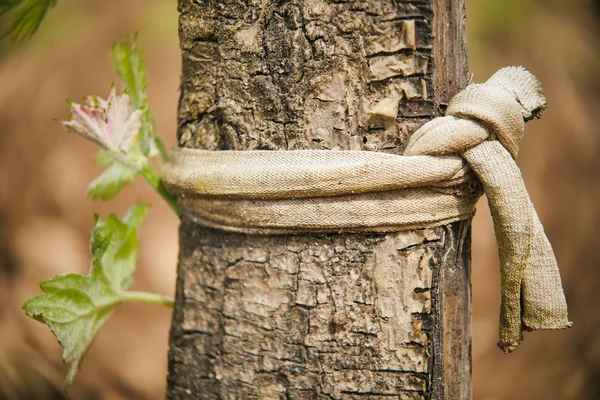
(432, 184)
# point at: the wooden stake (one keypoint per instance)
(343, 316)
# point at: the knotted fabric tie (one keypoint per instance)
(432, 184)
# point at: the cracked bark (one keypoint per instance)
(341, 316)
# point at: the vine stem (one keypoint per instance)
(151, 177)
(145, 297)
(154, 180)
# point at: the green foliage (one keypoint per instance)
(123, 126)
(129, 64)
(76, 306)
(113, 125)
(21, 18)
(111, 181)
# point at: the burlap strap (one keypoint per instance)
(432, 184)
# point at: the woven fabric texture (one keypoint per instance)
(434, 183)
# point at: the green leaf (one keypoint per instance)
(21, 18)
(111, 181)
(104, 159)
(128, 61)
(119, 259)
(123, 168)
(75, 306)
(123, 127)
(7, 5)
(129, 65)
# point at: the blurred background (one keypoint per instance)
(45, 217)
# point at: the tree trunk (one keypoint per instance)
(338, 316)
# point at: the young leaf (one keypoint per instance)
(129, 63)
(123, 127)
(21, 18)
(75, 306)
(111, 181)
(113, 125)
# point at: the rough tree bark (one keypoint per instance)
(339, 316)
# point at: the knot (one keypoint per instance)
(484, 124)
(493, 110)
(335, 191)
